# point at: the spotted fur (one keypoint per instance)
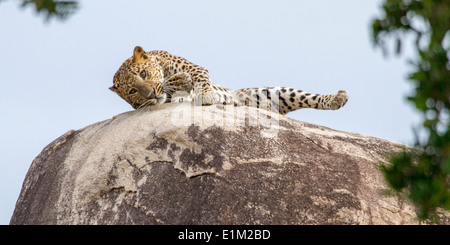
(149, 78)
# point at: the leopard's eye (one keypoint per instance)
(132, 91)
(143, 74)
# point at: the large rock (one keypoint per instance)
(234, 165)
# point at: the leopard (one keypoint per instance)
(158, 77)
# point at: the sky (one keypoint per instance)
(54, 76)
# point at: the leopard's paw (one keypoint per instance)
(339, 100)
(206, 98)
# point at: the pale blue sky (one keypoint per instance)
(55, 76)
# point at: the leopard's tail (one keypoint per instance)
(284, 100)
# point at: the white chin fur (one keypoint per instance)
(162, 99)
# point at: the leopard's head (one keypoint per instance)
(139, 80)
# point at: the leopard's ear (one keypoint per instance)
(113, 88)
(139, 54)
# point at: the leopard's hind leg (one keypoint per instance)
(285, 100)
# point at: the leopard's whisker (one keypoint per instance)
(144, 104)
(169, 89)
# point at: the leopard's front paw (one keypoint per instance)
(205, 99)
(339, 100)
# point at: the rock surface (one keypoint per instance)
(230, 165)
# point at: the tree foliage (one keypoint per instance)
(423, 175)
(52, 8)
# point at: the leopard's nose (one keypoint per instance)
(152, 95)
